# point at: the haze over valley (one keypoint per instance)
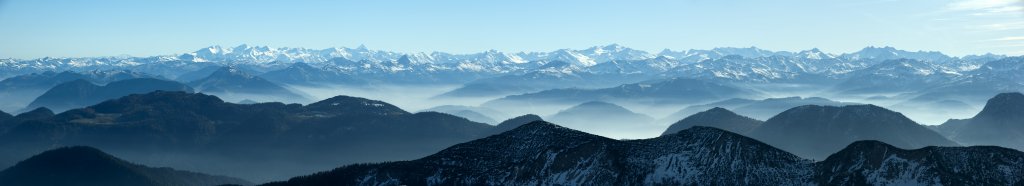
(308, 93)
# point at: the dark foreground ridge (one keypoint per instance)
(87, 166)
(541, 153)
(876, 163)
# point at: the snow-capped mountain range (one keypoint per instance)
(732, 64)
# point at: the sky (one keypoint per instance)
(78, 28)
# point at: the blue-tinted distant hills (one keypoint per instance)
(666, 91)
(606, 119)
(81, 93)
(238, 84)
(478, 114)
(815, 132)
(758, 109)
(718, 118)
(195, 127)
(17, 92)
(1000, 122)
(285, 140)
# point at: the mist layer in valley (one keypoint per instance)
(217, 110)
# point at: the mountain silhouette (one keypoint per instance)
(604, 119)
(515, 122)
(81, 93)
(84, 166)
(478, 114)
(233, 82)
(17, 92)
(666, 91)
(814, 132)
(1000, 122)
(757, 109)
(716, 117)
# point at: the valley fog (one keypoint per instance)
(416, 98)
(227, 118)
(526, 92)
(409, 97)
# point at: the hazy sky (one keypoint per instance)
(38, 28)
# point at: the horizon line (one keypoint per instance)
(506, 52)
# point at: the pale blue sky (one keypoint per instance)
(38, 28)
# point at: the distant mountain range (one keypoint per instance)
(541, 153)
(899, 75)
(993, 77)
(122, 105)
(90, 166)
(733, 64)
(926, 79)
(301, 73)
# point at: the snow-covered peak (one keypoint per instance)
(815, 53)
(610, 52)
(571, 56)
(887, 53)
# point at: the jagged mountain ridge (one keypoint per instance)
(877, 163)
(541, 153)
(545, 153)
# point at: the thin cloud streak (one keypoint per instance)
(1004, 26)
(1013, 38)
(982, 4)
